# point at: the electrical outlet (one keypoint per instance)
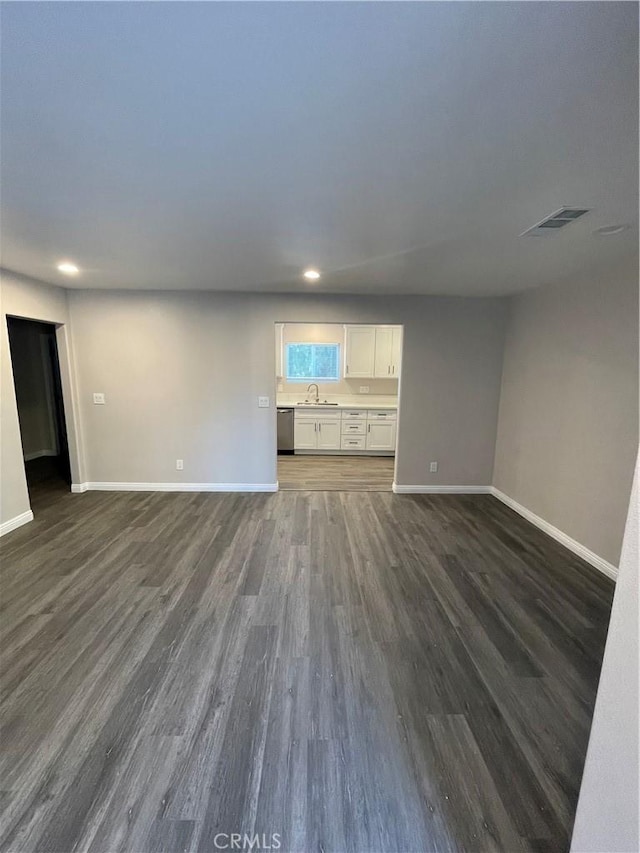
(364, 389)
(179, 464)
(98, 400)
(263, 402)
(433, 467)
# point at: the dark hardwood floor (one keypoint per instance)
(349, 671)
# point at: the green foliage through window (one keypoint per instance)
(312, 362)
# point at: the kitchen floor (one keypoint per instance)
(336, 473)
(362, 672)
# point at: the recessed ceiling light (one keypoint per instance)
(610, 230)
(68, 268)
(312, 275)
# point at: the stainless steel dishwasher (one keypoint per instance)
(285, 430)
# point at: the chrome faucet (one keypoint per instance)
(314, 385)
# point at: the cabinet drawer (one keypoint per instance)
(354, 414)
(382, 414)
(352, 442)
(316, 415)
(354, 427)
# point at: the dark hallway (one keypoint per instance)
(36, 374)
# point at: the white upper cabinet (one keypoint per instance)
(388, 353)
(373, 352)
(384, 345)
(359, 351)
(396, 351)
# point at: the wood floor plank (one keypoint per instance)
(350, 670)
(234, 791)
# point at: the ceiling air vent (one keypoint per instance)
(557, 220)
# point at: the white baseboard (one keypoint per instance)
(440, 490)
(78, 488)
(572, 544)
(18, 521)
(39, 453)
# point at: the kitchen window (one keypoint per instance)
(312, 362)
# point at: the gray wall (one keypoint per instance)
(608, 808)
(568, 425)
(182, 373)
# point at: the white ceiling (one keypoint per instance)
(398, 147)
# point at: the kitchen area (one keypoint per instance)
(337, 403)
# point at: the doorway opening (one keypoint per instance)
(38, 387)
(338, 405)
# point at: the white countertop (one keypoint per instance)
(372, 402)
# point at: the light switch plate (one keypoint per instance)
(263, 402)
(99, 400)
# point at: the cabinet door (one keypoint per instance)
(381, 435)
(328, 434)
(396, 351)
(384, 343)
(305, 434)
(359, 351)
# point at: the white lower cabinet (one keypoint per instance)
(312, 431)
(381, 435)
(328, 434)
(305, 434)
(371, 430)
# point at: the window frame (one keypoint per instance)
(309, 379)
